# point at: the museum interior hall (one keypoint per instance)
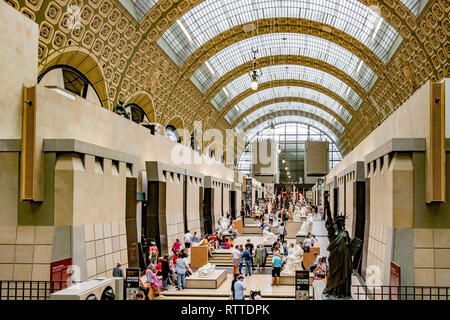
(224, 150)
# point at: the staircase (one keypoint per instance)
(224, 260)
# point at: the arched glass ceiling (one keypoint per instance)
(415, 6)
(292, 119)
(281, 92)
(212, 17)
(283, 72)
(138, 8)
(289, 106)
(282, 44)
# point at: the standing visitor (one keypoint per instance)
(276, 270)
(195, 238)
(276, 251)
(250, 246)
(259, 256)
(239, 288)
(187, 239)
(264, 258)
(181, 268)
(176, 246)
(153, 253)
(236, 256)
(247, 257)
(235, 276)
(165, 271)
(281, 231)
(241, 260)
(285, 248)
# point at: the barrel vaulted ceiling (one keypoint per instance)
(343, 65)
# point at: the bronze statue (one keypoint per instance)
(341, 248)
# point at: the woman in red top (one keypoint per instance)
(176, 246)
(227, 244)
(158, 268)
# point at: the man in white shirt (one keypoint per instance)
(236, 255)
(187, 240)
(307, 242)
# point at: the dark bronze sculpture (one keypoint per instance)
(341, 248)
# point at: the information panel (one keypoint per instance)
(131, 283)
(301, 285)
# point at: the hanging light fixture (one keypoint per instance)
(255, 74)
(271, 123)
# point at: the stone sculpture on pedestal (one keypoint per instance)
(293, 261)
(223, 224)
(341, 248)
(207, 270)
(306, 226)
(268, 237)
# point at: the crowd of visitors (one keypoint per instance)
(173, 270)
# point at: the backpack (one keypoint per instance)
(153, 252)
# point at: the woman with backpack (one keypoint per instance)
(153, 253)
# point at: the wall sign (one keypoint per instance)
(61, 272)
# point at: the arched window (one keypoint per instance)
(71, 80)
(138, 115)
(171, 133)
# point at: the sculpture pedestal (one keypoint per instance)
(292, 228)
(300, 237)
(213, 281)
(289, 279)
(318, 288)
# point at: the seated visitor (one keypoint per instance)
(155, 282)
(320, 271)
(226, 244)
(315, 263)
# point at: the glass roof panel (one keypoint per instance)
(283, 72)
(289, 106)
(282, 44)
(281, 92)
(415, 6)
(138, 8)
(212, 17)
(290, 119)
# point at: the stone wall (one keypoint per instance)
(174, 207)
(193, 203)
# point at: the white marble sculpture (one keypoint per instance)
(223, 224)
(207, 270)
(293, 261)
(268, 237)
(306, 226)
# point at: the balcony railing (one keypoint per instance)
(29, 290)
(400, 293)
